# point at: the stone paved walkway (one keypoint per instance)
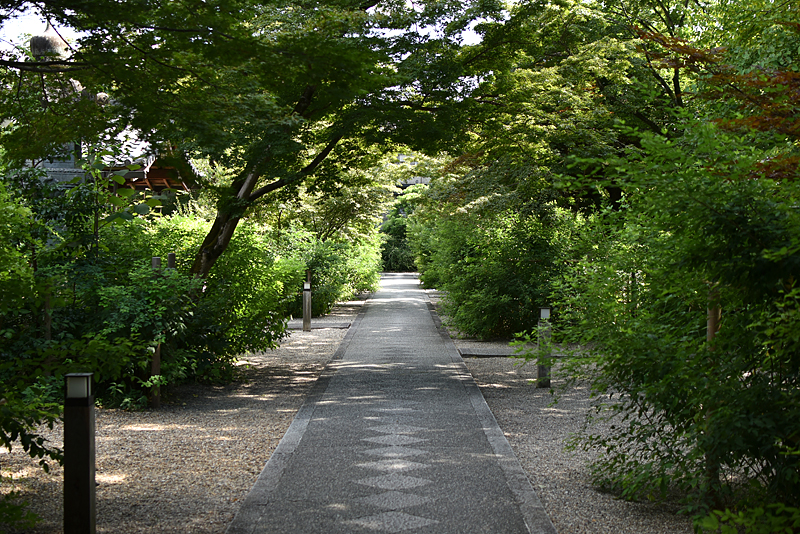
(395, 437)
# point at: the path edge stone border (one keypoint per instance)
(533, 512)
(250, 511)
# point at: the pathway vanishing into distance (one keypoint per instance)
(394, 437)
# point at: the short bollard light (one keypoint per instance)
(79, 385)
(543, 371)
(79, 455)
(307, 306)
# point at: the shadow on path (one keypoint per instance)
(394, 437)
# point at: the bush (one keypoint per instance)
(497, 268)
(396, 254)
(775, 518)
(241, 304)
(339, 272)
(717, 420)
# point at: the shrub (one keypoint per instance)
(396, 254)
(497, 268)
(714, 416)
(339, 272)
(774, 519)
(240, 305)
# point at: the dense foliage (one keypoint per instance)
(709, 227)
(712, 413)
(493, 247)
(80, 294)
(646, 154)
(281, 95)
(396, 252)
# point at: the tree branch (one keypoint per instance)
(206, 31)
(482, 100)
(676, 83)
(414, 105)
(485, 51)
(44, 66)
(648, 122)
(308, 169)
(304, 102)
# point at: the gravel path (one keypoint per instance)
(186, 467)
(538, 430)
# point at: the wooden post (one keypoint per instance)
(307, 303)
(155, 365)
(171, 260)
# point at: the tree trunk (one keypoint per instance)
(712, 473)
(219, 237)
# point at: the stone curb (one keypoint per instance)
(250, 512)
(536, 518)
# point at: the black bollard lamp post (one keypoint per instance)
(79, 455)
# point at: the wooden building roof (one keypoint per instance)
(157, 173)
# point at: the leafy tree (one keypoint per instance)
(709, 229)
(22, 407)
(564, 74)
(349, 213)
(494, 244)
(277, 94)
(16, 275)
(396, 252)
(690, 409)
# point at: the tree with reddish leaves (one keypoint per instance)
(751, 98)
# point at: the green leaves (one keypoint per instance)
(697, 215)
(774, 518)
(16, 275)
(681, 207)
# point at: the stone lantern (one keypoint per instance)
(49, 45)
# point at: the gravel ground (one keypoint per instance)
(538, 430)
(186, 467)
